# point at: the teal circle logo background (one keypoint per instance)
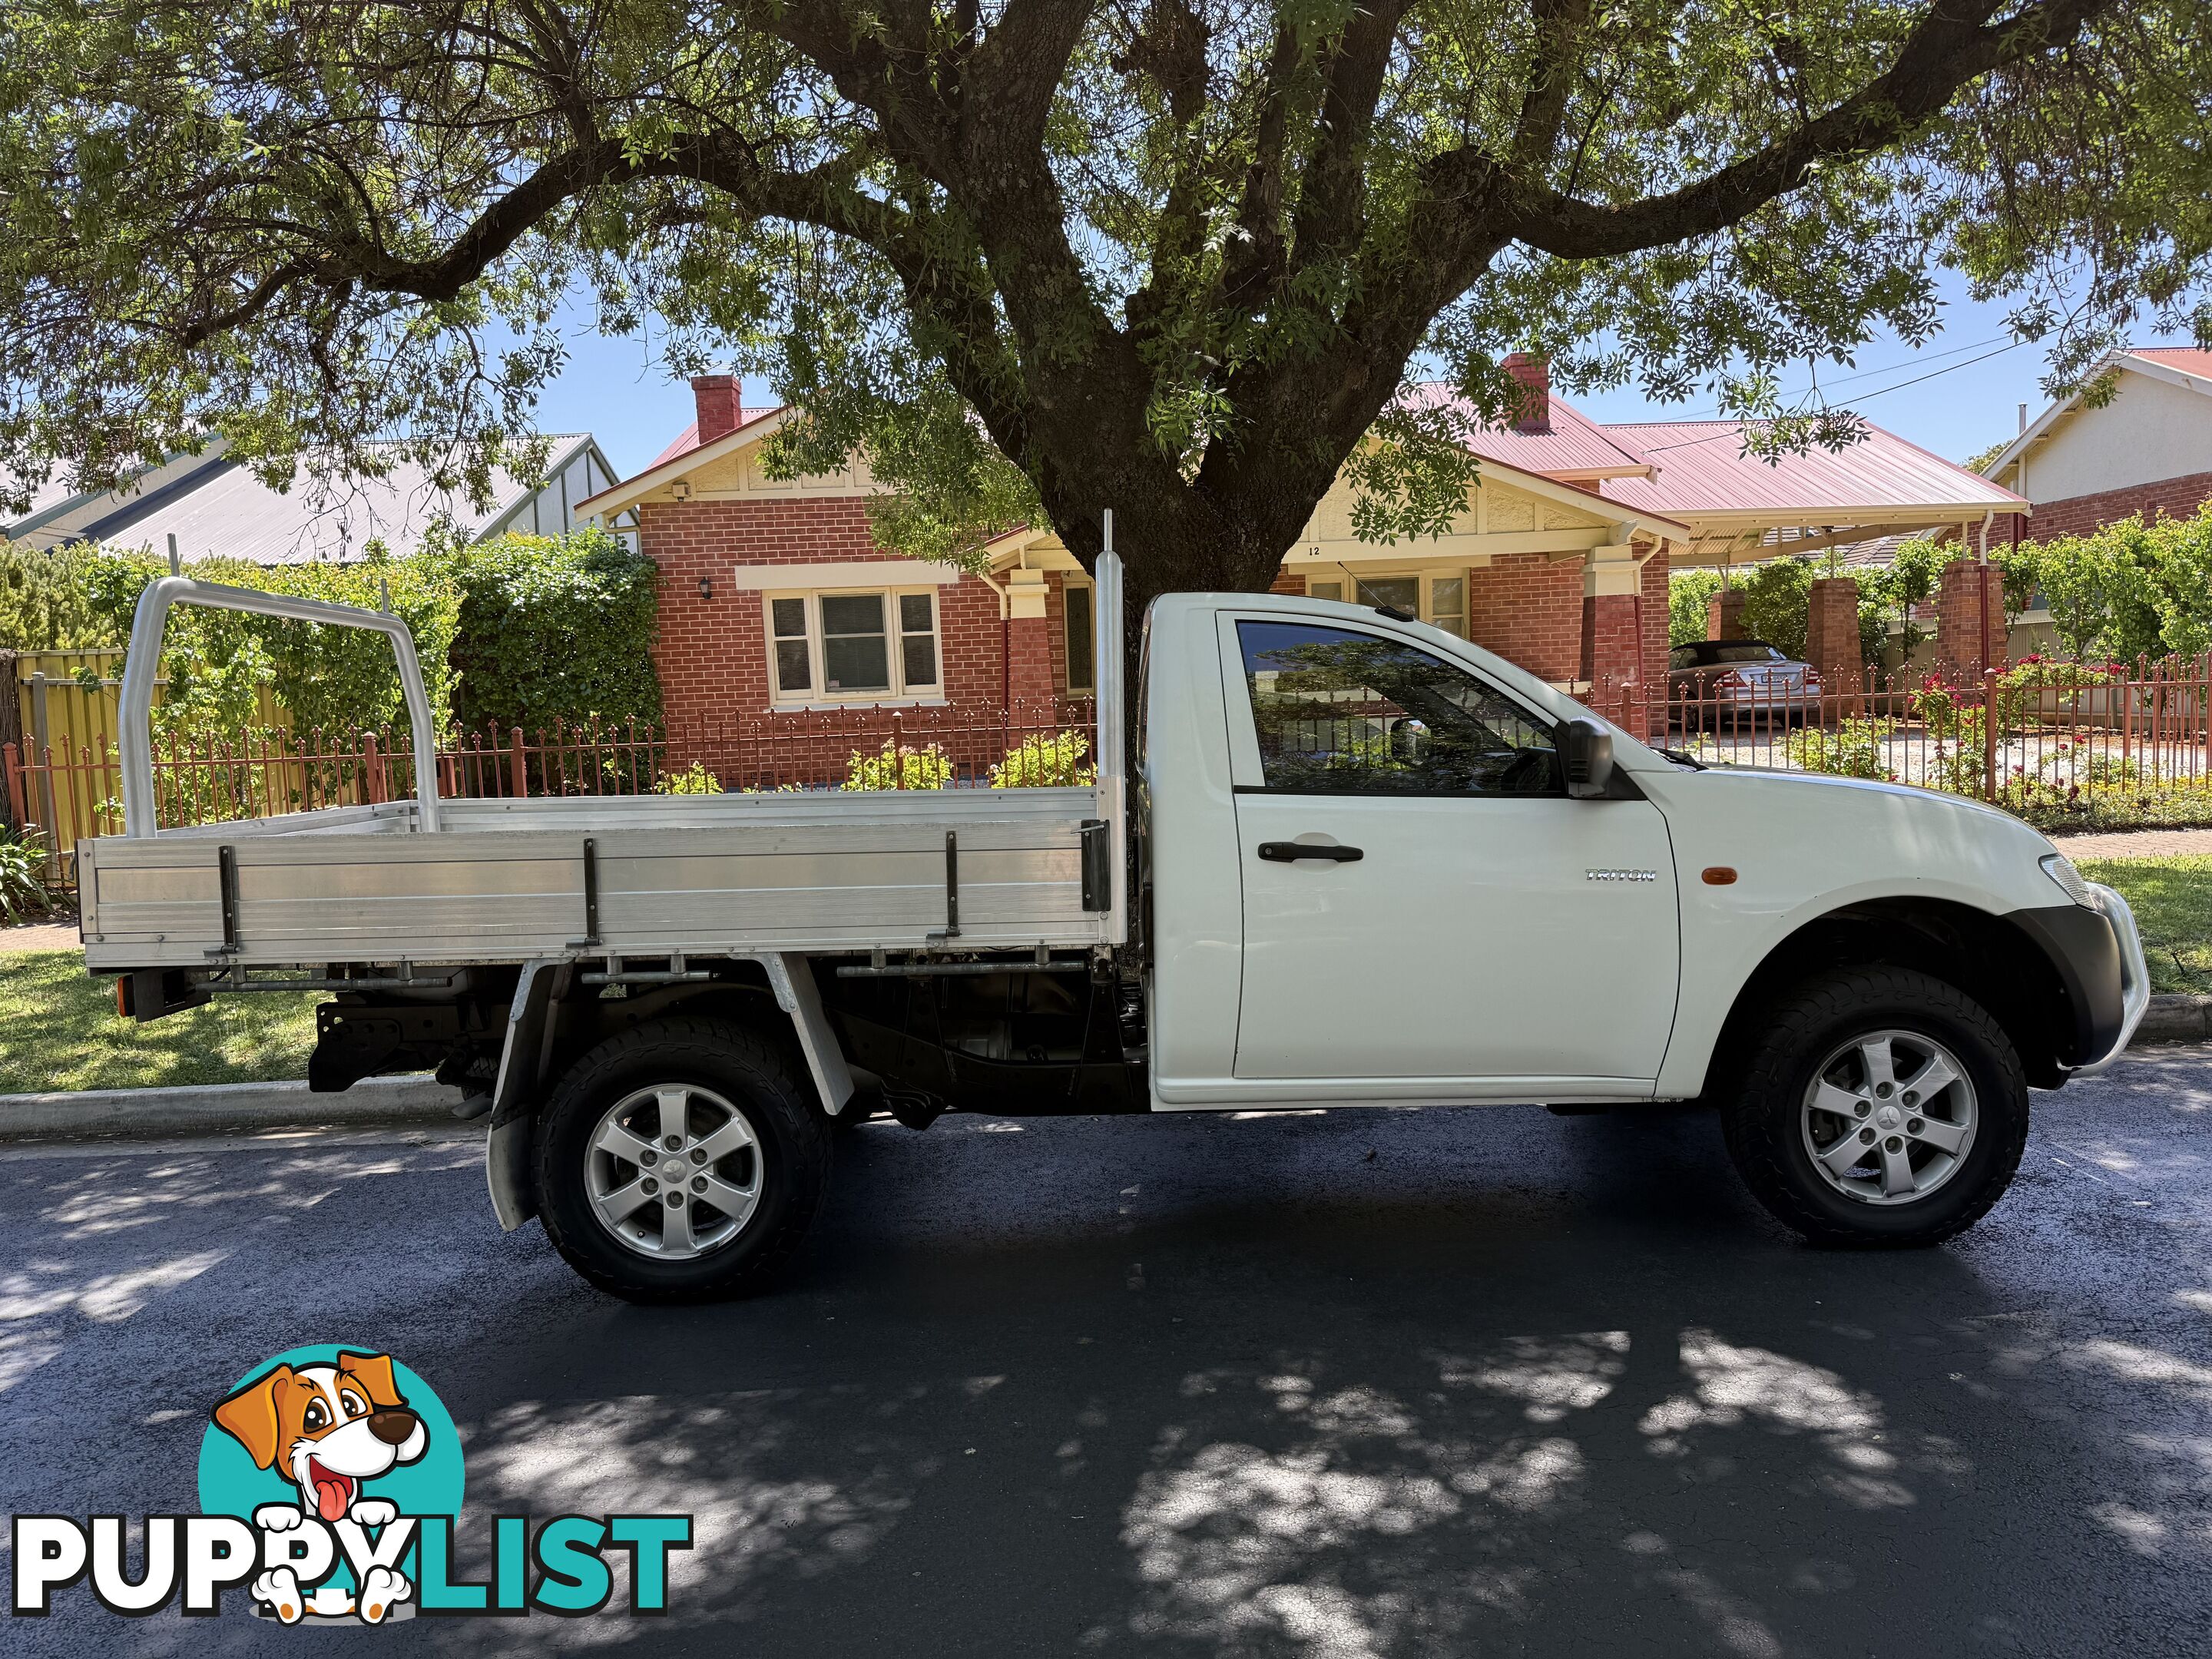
(231, 1485)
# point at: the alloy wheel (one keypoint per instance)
(674, 1171)
(1889, 1117)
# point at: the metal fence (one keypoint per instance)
(64, 794)
(2048, 739)
(2051, 740)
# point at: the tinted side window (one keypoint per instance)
(1345, 712)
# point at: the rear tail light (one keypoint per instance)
(1731, 681)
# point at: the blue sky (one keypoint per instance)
(1975, 382)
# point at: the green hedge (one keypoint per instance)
(46, 601)
(330, 679)
(553, 629)
(526, 630)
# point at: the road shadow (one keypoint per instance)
(1362, 1384)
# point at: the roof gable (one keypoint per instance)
(2183, 366)
(224, 509)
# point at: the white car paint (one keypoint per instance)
(1470, 954)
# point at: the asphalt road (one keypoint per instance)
(1376, 1383)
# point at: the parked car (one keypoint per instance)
(1364, 863)
(1738, 681)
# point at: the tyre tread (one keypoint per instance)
(717, 1041)
(1748, 1117)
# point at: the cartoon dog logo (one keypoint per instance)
(331, 1428)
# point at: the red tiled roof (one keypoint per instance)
(2188, 359)
(1703, 469)
(690, 440)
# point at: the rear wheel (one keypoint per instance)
(681, 1162)
(1878, 1106)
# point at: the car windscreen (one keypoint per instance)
(1746, 651)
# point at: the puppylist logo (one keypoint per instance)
(330, 1482)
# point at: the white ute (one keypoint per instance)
(1360, 862)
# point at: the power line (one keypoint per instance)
(1864, 398)
(1969, 363)
(1934, 357)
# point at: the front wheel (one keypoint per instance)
(681, 1162)
(1879, 1106)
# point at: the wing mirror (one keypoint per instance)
(1585, 746)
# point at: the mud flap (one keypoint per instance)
(791, 978)
(515, 1096)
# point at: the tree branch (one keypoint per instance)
(1948, 48)
(1332, 200)
(1559, 26)
(1013, 75)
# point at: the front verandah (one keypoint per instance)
(1576, 608)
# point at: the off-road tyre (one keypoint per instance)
(756, 1077)
(1761, 1103)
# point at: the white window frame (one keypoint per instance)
(815, 696)
(1350, 579)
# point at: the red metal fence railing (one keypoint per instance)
(66, 795)
(2048, 739)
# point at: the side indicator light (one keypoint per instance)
(1719, 875)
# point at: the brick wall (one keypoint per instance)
(1609, 638)
(1655, 619)
(1724, 614)
(1031, 671)
(2077, 515)
(1832, 635)
(1529, 611)
(711, 653)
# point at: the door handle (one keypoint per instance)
(1289, 852)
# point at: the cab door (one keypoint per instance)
(1422, 900)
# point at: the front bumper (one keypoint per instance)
(2135, 975)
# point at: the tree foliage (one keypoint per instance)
(1689, 604)
(1183, 259)
(1910, 581)
(2129, 589)
(1778, 599)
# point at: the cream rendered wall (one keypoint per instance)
(2150, 430)
(1493, 508)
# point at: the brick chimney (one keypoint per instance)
(719, 413)
(1534, 375)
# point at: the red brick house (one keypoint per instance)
(779, 615)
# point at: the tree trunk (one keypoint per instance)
(1176, 541)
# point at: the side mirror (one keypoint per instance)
(1585, 746)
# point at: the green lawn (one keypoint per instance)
(2172, 898)
(59, 1029)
